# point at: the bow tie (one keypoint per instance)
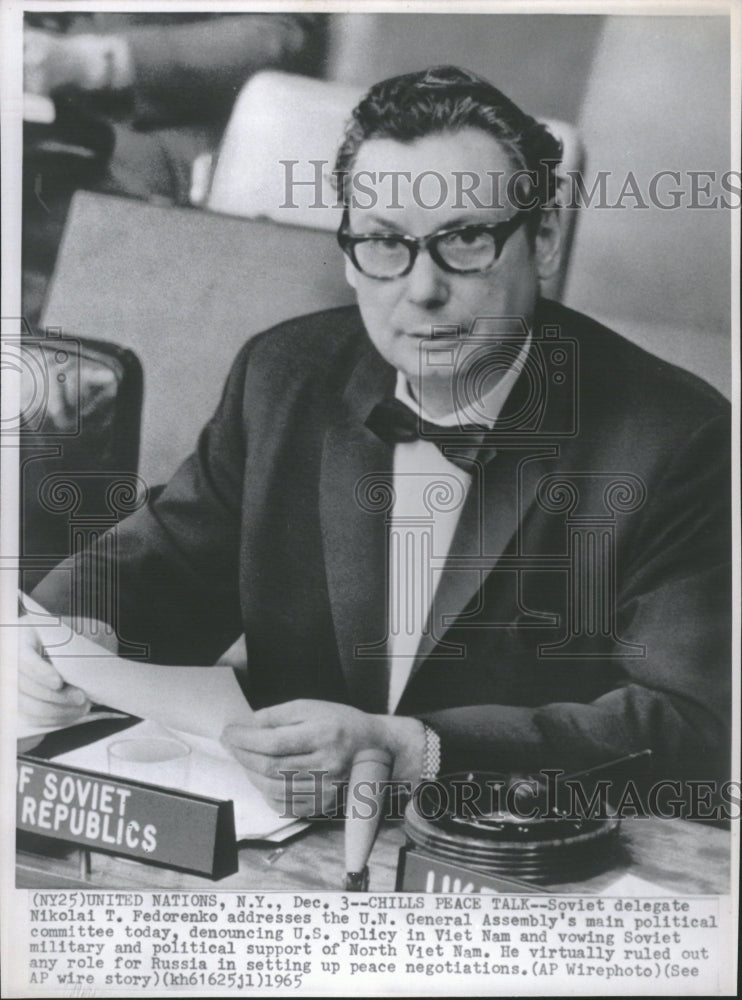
(394, 423)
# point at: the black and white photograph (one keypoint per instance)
(370, 498)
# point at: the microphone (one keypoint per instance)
(371, 769)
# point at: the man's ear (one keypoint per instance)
(549, 243)
(350, 272)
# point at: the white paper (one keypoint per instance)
(197, 700)
(633, 886)
(212, 772)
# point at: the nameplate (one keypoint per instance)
(419, 872)
(129, 818)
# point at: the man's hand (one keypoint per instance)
(321, 736)
(43, 697)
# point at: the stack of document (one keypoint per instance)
(212, 772)
(194, 704)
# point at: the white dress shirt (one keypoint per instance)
(421, 533)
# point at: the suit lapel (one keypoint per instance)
(355, 477)
(488, 525)
(498, 500)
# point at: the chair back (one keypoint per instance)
(183, 290)
(81, 403)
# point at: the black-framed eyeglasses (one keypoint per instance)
(460, 250)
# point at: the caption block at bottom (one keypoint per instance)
(221, 942)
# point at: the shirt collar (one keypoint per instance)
(489, 406)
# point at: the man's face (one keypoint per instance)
(399, 313)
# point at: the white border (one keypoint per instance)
(12, 900)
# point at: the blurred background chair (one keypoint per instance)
(79, 446)
(281, 126)
(183, 290)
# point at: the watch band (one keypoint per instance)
(431, 754)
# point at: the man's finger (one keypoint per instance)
(281, 742)
(66, 695)
(275, 793)
(286, 714)
(298, 799)
(271, 765)
(41, 670)
(46, 713)
(278, 789)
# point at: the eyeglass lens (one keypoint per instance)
(383, 258)
(465, 250)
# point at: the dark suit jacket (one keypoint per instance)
(608, 459)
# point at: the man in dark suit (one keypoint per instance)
(459, 522)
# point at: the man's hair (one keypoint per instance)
(448, 99)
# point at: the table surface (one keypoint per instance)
(679, 856)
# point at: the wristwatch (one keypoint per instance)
(431, 754)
